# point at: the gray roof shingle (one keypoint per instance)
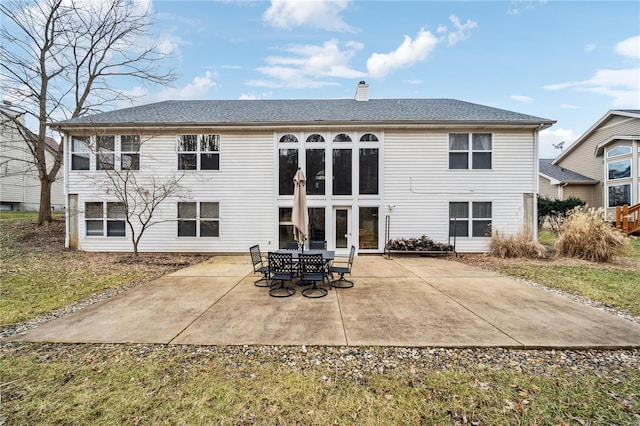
(561, 174)
(227, 112)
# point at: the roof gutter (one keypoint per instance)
(305, 124)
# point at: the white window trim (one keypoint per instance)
(105, 221)
(82, 153)
(470, 219)
(469, 151)
(94, 152)
(198, 220)
(198, 152)
(120, 152)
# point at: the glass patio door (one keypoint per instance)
(342, 228)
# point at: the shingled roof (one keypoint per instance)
(304, 111)
(562, 174)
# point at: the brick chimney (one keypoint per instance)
(362, 92)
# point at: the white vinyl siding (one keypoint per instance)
(19, 180)
(420, 186)
(243, 187)
(414, 179)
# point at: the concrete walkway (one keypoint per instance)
(407, 301)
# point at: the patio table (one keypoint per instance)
(327, 255)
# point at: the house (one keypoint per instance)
(19, 181)
(608, 153)
(375, 168)
(558, 183)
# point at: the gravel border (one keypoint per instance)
(356, 363)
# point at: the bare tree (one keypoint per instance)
(137, 194)
(139, 198)
(61, 60)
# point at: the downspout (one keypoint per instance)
(536, 182)
(65, 174)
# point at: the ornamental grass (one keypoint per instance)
(586, 235)
(514, 246)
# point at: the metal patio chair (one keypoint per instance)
(280, 269)
(339, 266)
(259, 266)
(313, 269)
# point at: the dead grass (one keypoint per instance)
(120, 384)
(515, 246)
(585, 235)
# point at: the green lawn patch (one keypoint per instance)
(614, 287)
(38, 275)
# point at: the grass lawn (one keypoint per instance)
(615, 285)
(158, 384)
(134, 384)
(38, 275)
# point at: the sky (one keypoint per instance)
(569, 61)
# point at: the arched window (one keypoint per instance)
(342, 137)
(369, 137)
(315, 138)
(288, 138)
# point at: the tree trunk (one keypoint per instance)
(44, 215)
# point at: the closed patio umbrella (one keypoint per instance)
(300, 215)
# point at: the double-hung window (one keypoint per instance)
(470, 150)
(105, 218)
(105, 159)
(470, 219)
(198, 219)
(130, 152)
(198, 152)
(80, 153)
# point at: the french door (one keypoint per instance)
(342, 229)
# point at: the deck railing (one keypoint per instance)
(628, 218)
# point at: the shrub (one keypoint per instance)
(520, 245)
(555, 211)
(585, 235)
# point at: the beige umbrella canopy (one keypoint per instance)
(300, 214)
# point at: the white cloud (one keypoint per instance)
(408, 53)
(252, 96)
(520, 6)
(198, 88)
(307, 65)
(462, 31)
(629, 47)
(415, 81)
(549, 137)
(590, 47)
(321, 14)
(622, 85)
(520, 98)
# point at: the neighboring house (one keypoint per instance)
(19, 181)
(435, 167)
(558, 183)
(608, 152)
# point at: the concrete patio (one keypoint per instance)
(406, 301)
